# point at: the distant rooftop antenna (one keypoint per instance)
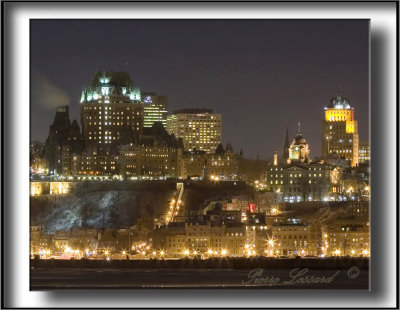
(339, 92)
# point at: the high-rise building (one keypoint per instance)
(155, 109)
(111, 112)
(364, 153)
(339, 131)
(200, 129)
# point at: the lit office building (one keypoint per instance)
(364, 153)
(200, 129)
(111, 111)
(155, 109)
(339, 131)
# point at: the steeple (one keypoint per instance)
(298, 130)
(286, 146)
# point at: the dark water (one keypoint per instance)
(80, 278)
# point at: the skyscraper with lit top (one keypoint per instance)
(155, 109)
(111, 112)
(339, 130)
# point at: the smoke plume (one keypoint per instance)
(45, 93)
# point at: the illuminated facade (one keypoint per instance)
(299, 179)
(155, 156)
(155, 109)
(219, 165)
(88, 164)
(294, 239)
(200, 129)
(364, 153)
(51, 188)
(38, 163)
(347, 237)
(40, 242)
(299, 151)
(339, 131)
(152, 162)
(111, 111)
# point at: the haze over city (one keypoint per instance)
(263, 76)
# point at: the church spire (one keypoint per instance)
(286, 146)
(298, 130)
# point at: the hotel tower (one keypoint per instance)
(339, 131)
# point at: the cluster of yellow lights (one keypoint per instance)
(43, 252)
(259, 185)
(341, 115)
(68, 250)
(337, 115)
(274, 211)
(212, 252)
(249, 249)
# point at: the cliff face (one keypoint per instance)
(98, 208)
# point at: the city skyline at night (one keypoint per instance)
(261, 87)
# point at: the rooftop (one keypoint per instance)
(193, 111)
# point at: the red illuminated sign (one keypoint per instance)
(251, 207)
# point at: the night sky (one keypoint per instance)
(261, 75)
